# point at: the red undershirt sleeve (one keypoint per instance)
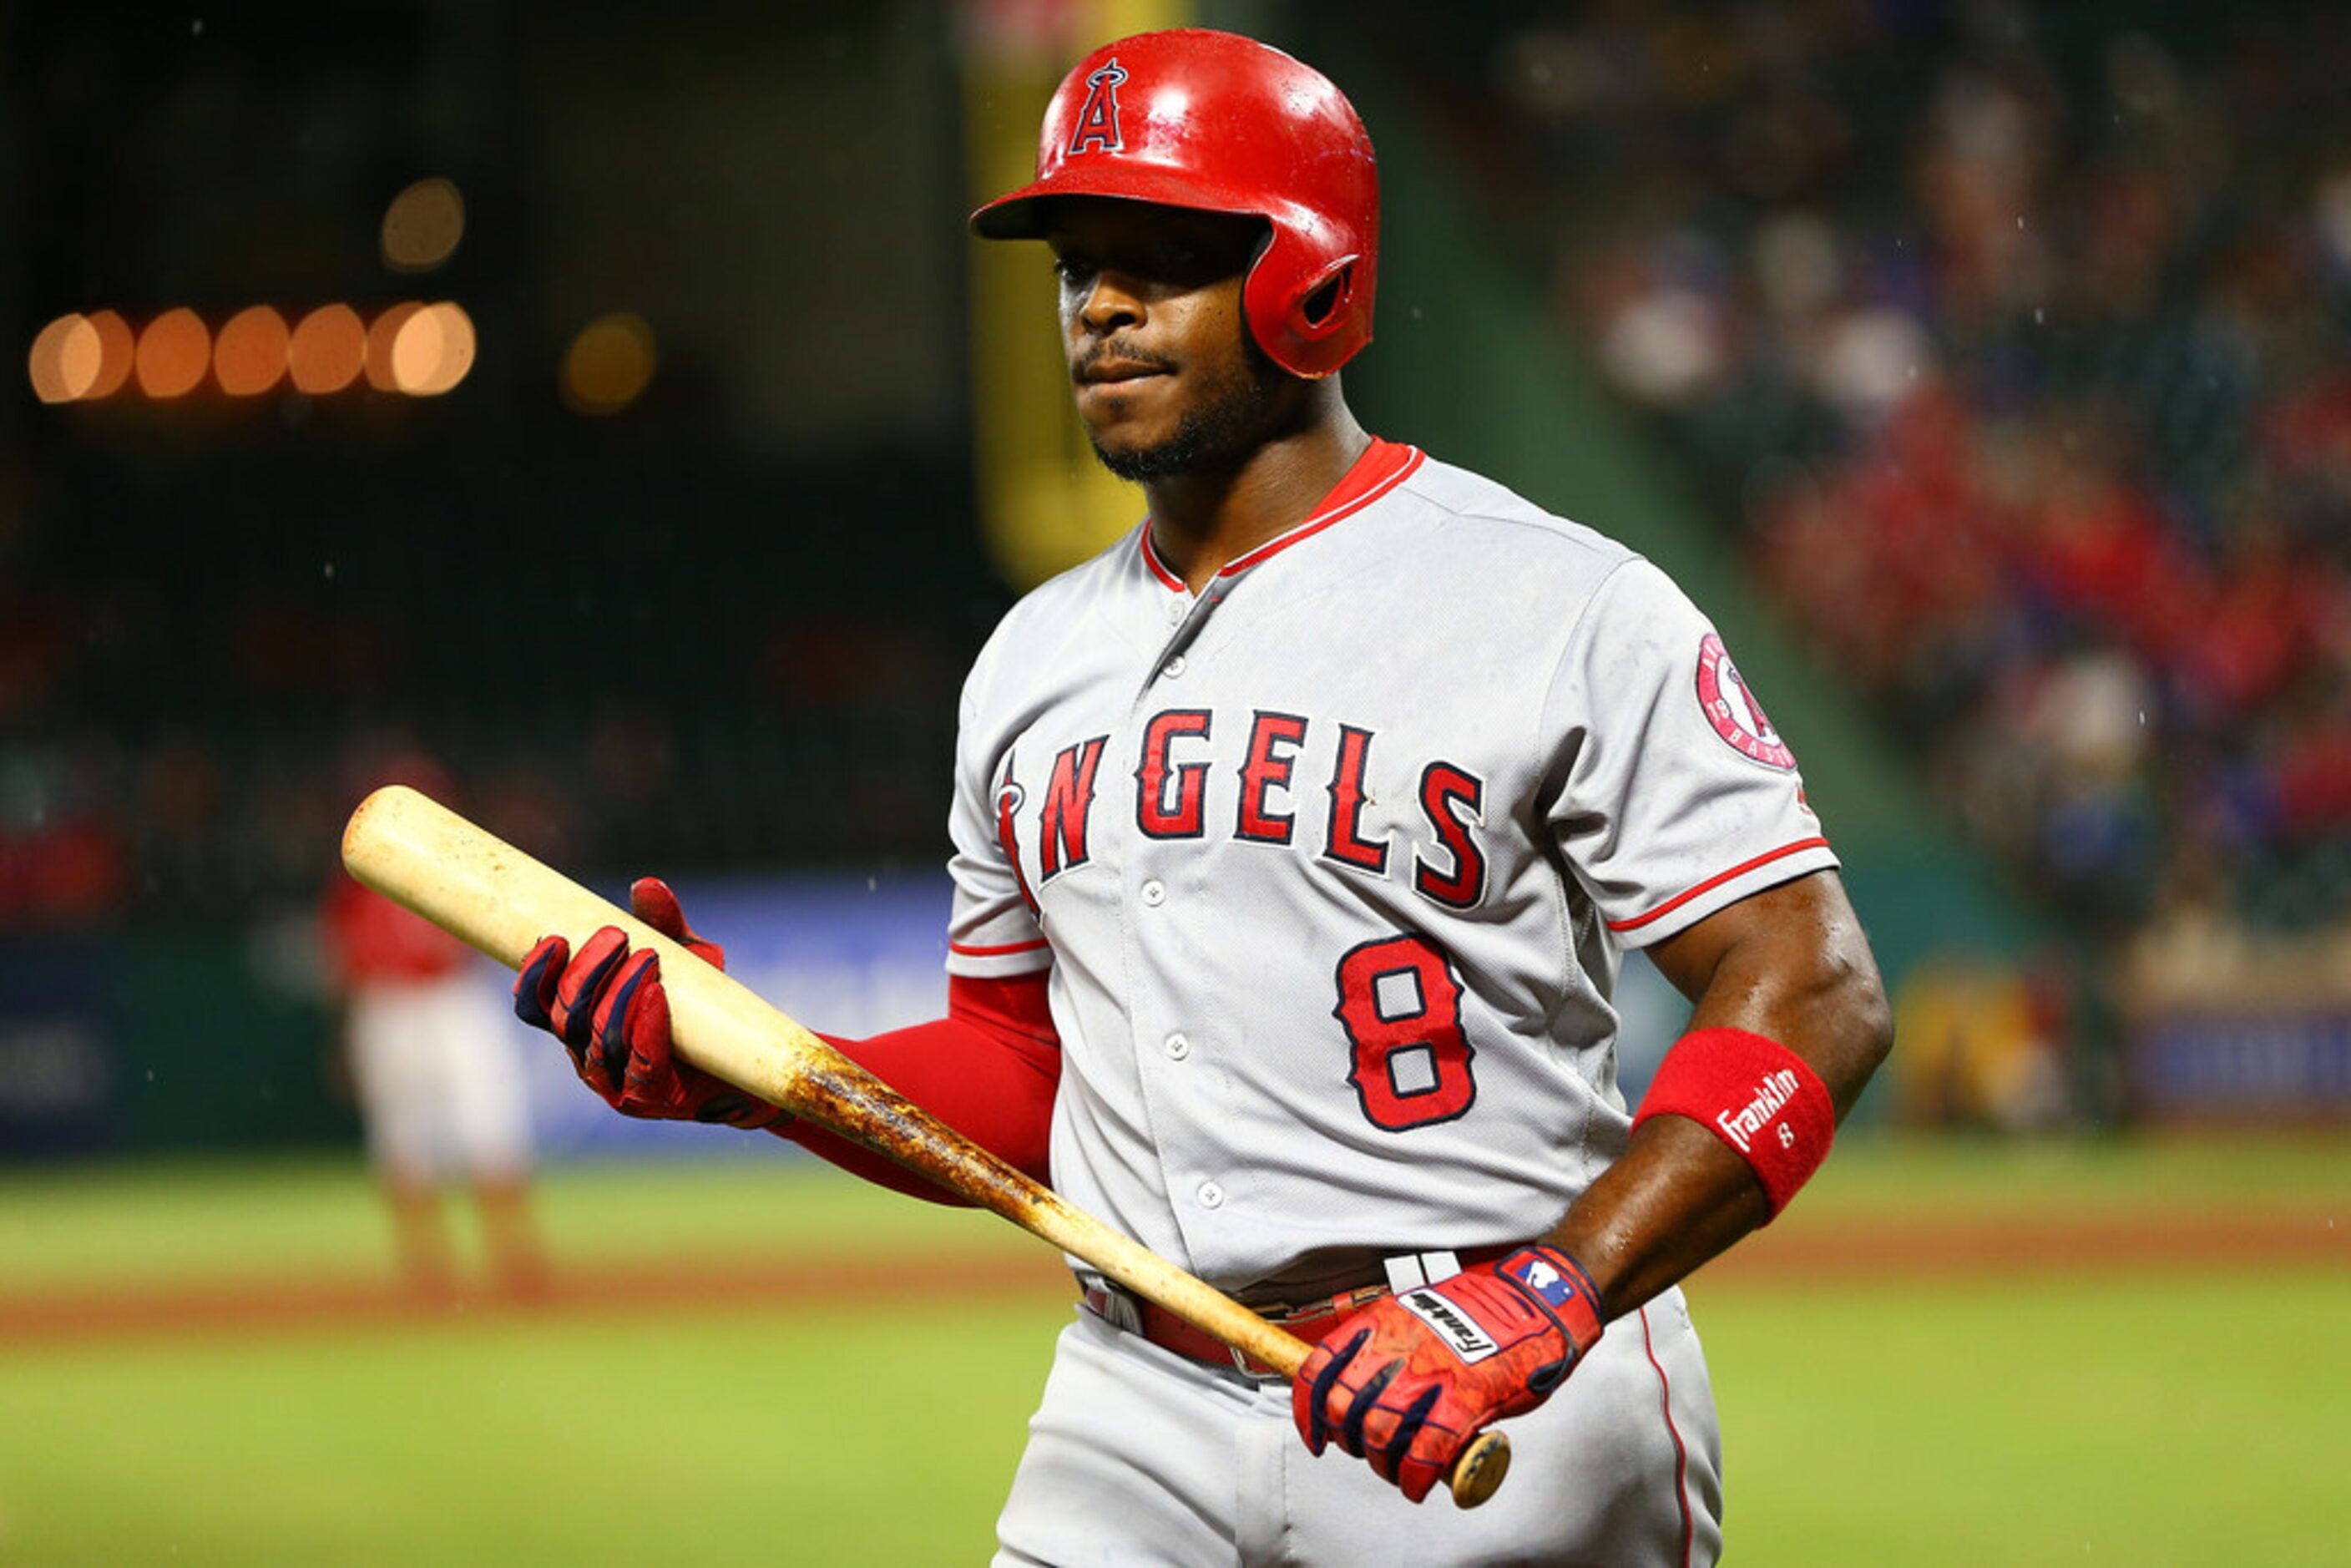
(989, 1069)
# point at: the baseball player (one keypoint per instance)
(1298, 838)
(439, 1090)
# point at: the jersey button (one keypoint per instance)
(1211, 1196)
(1178, 1048)
(1173, 667)
(1154, 893)
(1178, 608)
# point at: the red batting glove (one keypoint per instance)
(1407, 1382)
(608, 1008)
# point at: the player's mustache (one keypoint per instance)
(1124, 351)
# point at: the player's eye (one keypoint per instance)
(1073, 271)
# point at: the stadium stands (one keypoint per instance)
(2011, 340)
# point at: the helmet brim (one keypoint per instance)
(1023, 214)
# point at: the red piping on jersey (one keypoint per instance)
(1383, 465)
(1681, 1455)
(1151, 559)
(1742, 868)
(999, 952)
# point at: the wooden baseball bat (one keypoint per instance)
(493, 896)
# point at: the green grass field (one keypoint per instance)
(2159, 1412)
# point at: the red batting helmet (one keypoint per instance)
(1220, 123)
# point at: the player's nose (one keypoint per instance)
(1112, 304)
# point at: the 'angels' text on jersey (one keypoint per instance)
(1187, 786)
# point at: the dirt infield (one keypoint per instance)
(2051, 1247)
(263, 1305)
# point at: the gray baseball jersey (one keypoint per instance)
(1334, 861)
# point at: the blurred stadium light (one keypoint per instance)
(422, 225)
(250, 356)
(64, 360)
(433, 350)
(174, 351)
(609, 364)
(422, 350)
(327, 351)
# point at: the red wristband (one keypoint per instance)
(1759, 1097)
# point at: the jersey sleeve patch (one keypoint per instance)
(1733, 711)
(1678, 796)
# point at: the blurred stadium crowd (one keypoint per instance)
(620, 670)
(2014, 339)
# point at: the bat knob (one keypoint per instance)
(1481, 1469)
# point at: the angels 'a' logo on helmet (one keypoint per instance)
(1732, 709)
(1097, 129)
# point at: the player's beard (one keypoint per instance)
(1229, 425)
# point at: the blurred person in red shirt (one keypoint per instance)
(436, 1076)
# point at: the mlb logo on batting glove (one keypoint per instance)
(1551, 1277)
(1559, 1284)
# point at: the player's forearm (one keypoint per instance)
(1681, 1193)
(1676, 1199)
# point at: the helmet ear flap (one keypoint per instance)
(1321, 305)
(1315, 324)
